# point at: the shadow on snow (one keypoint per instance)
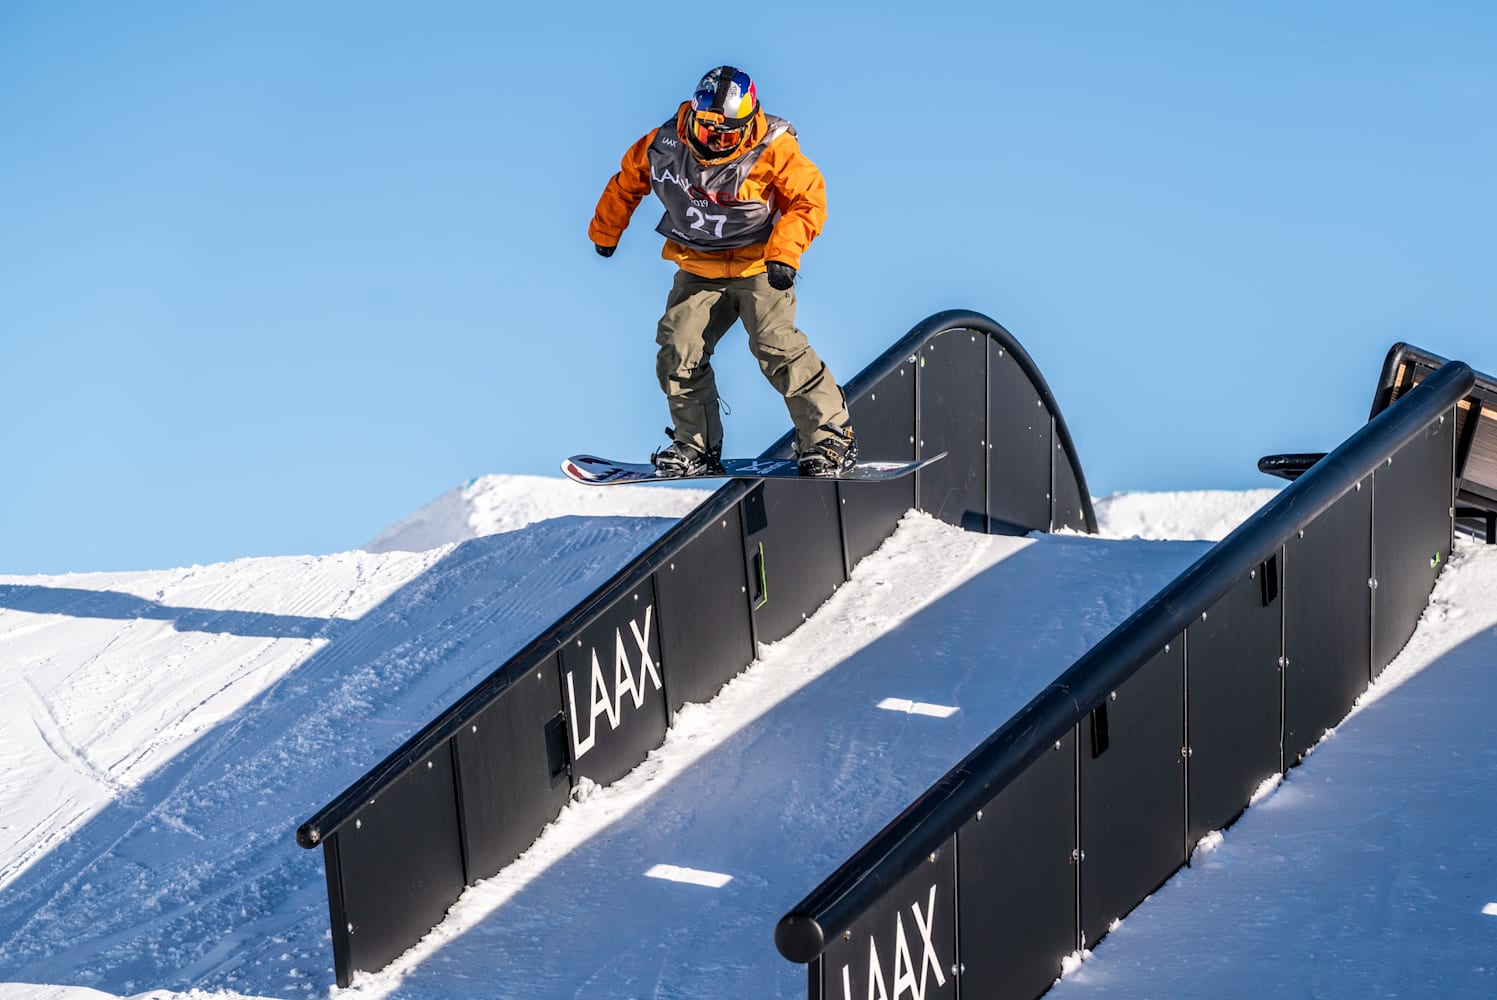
(193, 879)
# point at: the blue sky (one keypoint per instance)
(274, 277)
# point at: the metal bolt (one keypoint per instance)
(1166, 647)
(1359, 487)
(1302, 532)
(429, 765)
(1372, 583)
(358, 824)
(979, 815)
(1252, 574)
(933, 856)
(1057, 744)
(1113, 696)
(474, 728)
(1203, 616)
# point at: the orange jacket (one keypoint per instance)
(783, 171)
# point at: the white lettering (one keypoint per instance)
(908, 977)
(623, 676)
(642, 640)
(601, 703)
(904, 969)
(610, 702)
(875, 973)
(925, 924)
(578, 747)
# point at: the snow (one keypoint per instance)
(492, 504)
(162, 733)
(1208, 514)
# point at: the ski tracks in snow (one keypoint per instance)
(186, 874)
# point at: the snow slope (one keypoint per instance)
(162, 733)
(492, 504)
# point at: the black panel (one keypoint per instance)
(1133, 793)
(1232, 695)
(612, 689)
(884, 419)
(705, 634)
(333, 870)
(509, 788)
(1328, 604)
(1017, 894)
(1412, 534)
(1069, 512)
(401, 863)
(1018, 448)
(793, 545)
(905, 943)
(953, 406)
(1480, 459)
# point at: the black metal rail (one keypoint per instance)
(927, 827)
(465, 794)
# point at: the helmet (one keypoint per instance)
(724, 104)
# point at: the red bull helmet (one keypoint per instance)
(722, 108)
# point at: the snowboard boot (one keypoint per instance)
(679, 459)
(832, 455)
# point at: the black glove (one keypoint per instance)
(604, 251)
(781, 276)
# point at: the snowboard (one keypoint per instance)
(593, 471)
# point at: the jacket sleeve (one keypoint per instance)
(800, 198)
(622, 194)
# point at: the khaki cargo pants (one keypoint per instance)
(697, 314)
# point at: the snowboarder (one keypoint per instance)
(742, 203)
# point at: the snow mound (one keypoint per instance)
(1201, 515)
(493, 504)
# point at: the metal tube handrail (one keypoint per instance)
(935, 816)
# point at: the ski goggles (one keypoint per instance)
(717, 132)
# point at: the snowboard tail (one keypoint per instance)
(591, 470)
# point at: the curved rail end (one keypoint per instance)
(799, 938)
